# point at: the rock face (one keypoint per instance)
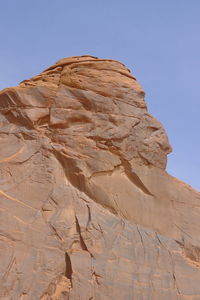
(87, 210)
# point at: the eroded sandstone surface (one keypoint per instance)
(87, 210)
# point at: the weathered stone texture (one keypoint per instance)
(87, 210)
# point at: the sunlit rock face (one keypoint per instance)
(87, 208)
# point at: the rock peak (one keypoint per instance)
(83, 180)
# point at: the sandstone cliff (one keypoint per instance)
(87, 210)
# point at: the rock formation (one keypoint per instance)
(87, 210)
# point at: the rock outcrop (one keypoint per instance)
(87, 210)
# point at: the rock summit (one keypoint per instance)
(87, 210)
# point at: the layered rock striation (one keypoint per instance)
(87, 210)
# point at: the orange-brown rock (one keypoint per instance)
(87, 210)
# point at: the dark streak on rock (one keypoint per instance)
(68, 269)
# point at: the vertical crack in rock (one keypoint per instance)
(82, 242)
(68, 267)
(120, 213)
(56, 232)
(175, 284)
(89, 216)
(141, 239)
(96, 277)
(172, 263)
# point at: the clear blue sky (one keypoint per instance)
(158, 40)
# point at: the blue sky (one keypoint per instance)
(158, 40)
